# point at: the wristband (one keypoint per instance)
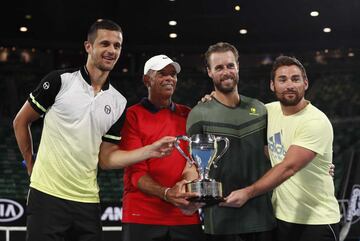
(33, 158)
(165, 192)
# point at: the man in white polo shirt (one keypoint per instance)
(81, 122)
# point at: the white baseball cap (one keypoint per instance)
(158, 62)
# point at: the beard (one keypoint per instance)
(226, 89)
(104, 67)
(289, 101)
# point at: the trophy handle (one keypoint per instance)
(227, 144)
(176, 144)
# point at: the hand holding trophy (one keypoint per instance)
(203, 150)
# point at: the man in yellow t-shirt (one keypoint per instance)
(300, 140)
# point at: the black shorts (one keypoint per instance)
(51, 219)
(148, 232)
(256, 236)
(303, 232)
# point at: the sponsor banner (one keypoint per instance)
(12, 212)
(349, 193)
(350, 214)
(111, 214)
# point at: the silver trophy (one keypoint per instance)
(203, 150)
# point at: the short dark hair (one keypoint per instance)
(286, 61)
(102, 24)
(220, 47)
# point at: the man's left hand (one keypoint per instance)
(162, 147)
(236, 199)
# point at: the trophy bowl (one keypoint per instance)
(203, 150)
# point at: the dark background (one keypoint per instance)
(57, 30)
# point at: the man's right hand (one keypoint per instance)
(332, 170)
(29, 164)
(30, 168)
(22, 123)
(178, 196)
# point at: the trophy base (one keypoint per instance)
(208, 200)
(210, 191)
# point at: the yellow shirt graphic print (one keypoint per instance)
(276, 148)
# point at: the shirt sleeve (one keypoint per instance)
(130, 140)
(315, 135)
(266, 128)
(113, 134)
(45, 93)
(194, 122)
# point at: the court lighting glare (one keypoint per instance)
(23, 29)
(327, 30)
(314, 14)
(172, 23)
(173, 35)
(243, 31)
(237, 8)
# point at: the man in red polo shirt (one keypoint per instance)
(154, 208)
